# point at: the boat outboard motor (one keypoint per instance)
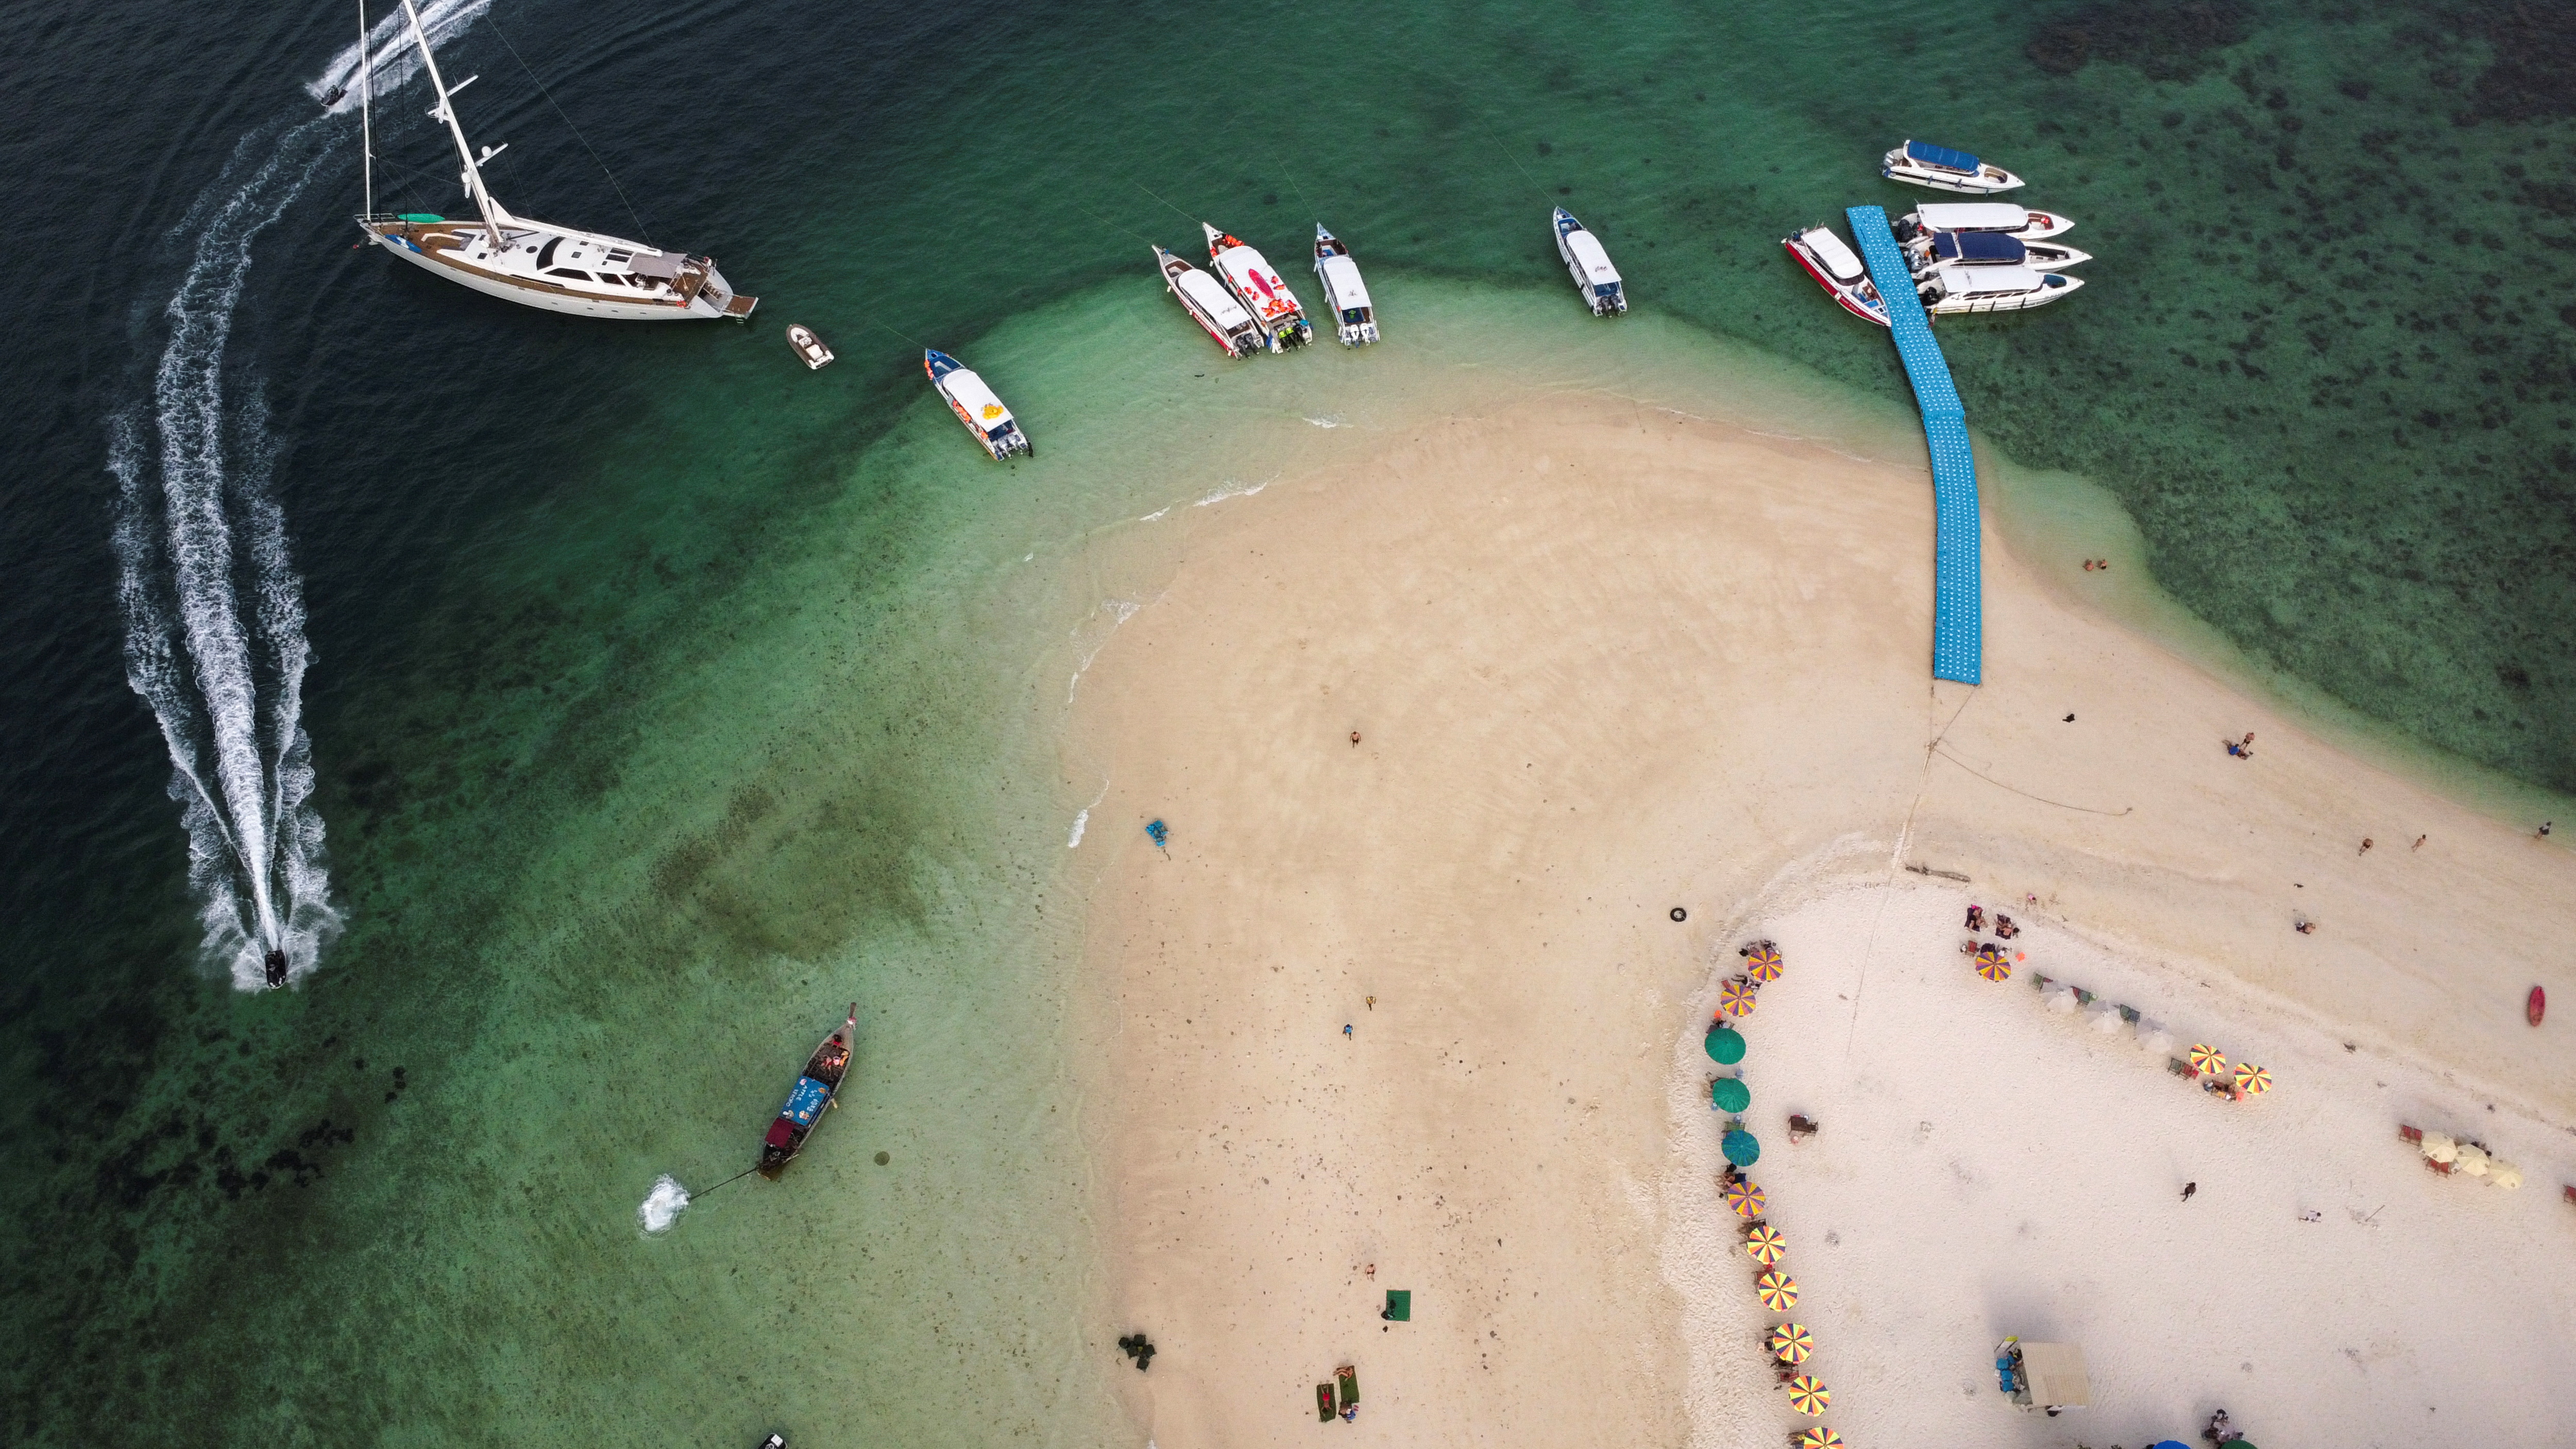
(275, 962)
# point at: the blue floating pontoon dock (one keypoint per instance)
(1958, 627)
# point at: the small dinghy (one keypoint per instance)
(807, 345)
(975, 406)
(813, 1094)
(1590, 267)
(1923, 164)
(1988, 249)
(1210, 305)
(1838, 271)
(1258, 286)
(1951, 289)
(1344, 292)
(2002, 216)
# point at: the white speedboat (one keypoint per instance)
(1988, 249)
(2002, 216)
(1839, 271)
(1210, 305)
(1590, 267)
(1258, 286)
(1924, 164)
(1344, 292)
(1947, 290)
(807, 345)
(975, 406)
(535, 263)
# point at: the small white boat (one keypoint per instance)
(1590, 267)
(1948, 290)
(807, 345)
(1344, 292)
(1988, 249)
(2002, 216)
(1839, 271)
(1259, 287)
(1210, 305)
(1942, 169)
(975, 406)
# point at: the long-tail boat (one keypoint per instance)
(815, 1091)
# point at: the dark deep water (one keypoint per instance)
(2327, 360)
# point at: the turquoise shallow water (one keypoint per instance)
(667, 697)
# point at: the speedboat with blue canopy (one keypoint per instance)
(976, 406)
(816, 1089)
(1953, 288)
(1590, 267)
(1989, 249)
(1923, 164)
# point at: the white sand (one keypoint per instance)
(1607, 659)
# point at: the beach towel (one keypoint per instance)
(1399, 1304)
(1324, 1402)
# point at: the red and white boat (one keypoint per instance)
(1838, 271)
(1258, 286)
(1210, 305)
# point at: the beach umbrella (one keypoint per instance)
(2108, 1021)
(1791, 1343)
(2153, 1039)
(1992, 965)
(1741, 1148)
(1729, 1094)
(2504, 1174)
(1735, 998)
(2061, 1000)
(2206, 1059)
(2439, 1147)
(2252, 1080)
(1766, 1245)
(1818, 1438)
(2472, 1159)
(1777, 1290)
(1763, 964)
(1725, 1045)
(1809, 1396)
(1745, 1196)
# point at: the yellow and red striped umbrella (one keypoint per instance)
(1809, 1396)
(1777, 1290)
(1745, 1196)
(1818, 1438)
(1766, 1245)
(1735, 998)
(2252, 1080)
(1791, 1343)
(2207, 1059)
(1763, 964)
(1992, 965)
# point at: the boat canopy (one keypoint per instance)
(968, 391)
(2053, 1375)
(1342, 279)
(1989, 281)
(1589, 256)
(806, 1102)
(1216, 301)
(1973, 216)
(1984, 248)
(1838, 259)
(1942, 157)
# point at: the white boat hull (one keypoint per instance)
(1986, 181)
(714, 303)
(2006, 302)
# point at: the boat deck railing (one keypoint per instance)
(1958, 609)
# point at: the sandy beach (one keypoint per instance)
(1411, 1011)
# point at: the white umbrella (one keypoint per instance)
(2473, 1160)
(2504, 1175)
(2061, 999)
(2439, 1147)
(2108, 1020)
(2153, 1039)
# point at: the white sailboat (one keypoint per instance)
(535, 263)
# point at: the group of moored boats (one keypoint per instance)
(1965, 256)
(1244, 305)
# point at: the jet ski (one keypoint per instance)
(275, 965)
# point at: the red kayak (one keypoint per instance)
(2539, 1003)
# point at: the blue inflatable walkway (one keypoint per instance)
(1958, 627)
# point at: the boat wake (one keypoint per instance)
(396, 59)
(661, 1207)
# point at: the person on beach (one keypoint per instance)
(2365, 845)
(2188, 1189)
(2543, 832)
(2304, 927)
(1976, 918)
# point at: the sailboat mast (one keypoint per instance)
(447, 112)
(366, 107)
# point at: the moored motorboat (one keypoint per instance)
(1344, 292)
(807, 345)
(1923, 164)
(976, 406)
(1259, 287)
(1590, 267)
(815, 1091)
(1952, 289)
(2003, 216)
(1839, 271)
(1988, 249)
(1210, 305)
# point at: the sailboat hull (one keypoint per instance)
(703, 307)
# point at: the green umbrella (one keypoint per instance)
(1730, 1095)
(1725, 1045)
(1741, 1148)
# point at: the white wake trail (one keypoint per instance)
(396, 59)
